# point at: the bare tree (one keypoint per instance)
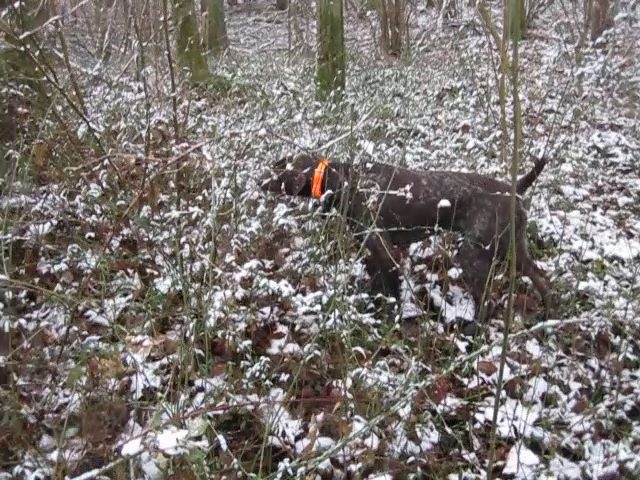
(7, 131)
(330, 69)
(393, 25)
(299, 14)
(448, 9)
(599, 17)
(24, 45)
(217, 40)
(518, 13)
(189, 47)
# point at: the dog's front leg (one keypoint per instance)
(380, 262)
(381, 265)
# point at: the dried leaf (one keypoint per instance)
(488, 368)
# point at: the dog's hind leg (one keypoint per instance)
(477, 265)
(528, 268)
(540, 282)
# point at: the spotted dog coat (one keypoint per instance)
(403, 206)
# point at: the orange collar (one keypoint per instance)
(318, 177)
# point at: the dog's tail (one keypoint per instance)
(527, 180)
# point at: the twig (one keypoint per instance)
(149, 180)
(339, 138)
(52, 20)
(172, 77)
(330, 143)
(91, 474)
(505, 67)
(288, 140)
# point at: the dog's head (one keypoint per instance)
(292, 175)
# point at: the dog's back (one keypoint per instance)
(446, 182)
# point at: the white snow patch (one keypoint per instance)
(521, 462)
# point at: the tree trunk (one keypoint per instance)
(599, 13)
(397, 27)
(393, 25)
(217, 40)
(383, 15)
(330, 70)
(7, 131)
(518, 16)
(189, 50)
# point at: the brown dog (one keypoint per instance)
(390, 206)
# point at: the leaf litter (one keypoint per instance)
(170, 312)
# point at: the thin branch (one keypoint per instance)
(506, 28)
(172, 76)
(91, 474)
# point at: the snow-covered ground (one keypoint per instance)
(162, 313)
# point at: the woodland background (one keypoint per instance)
(161, 317)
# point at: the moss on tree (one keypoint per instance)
(217, 40)
(189, 47)
(518, 17)
(330, 70)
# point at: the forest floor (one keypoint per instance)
(163, 317)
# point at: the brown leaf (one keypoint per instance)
(488, 368)
(603, 344)
(515, 388)
(218, 347)
(66, 277)
(501, 453)
(169, 346)
(122, 265)
(581, 405)
(261, 337)
(218, 369)
(536, 368)
(139, 292)
(277, 335)
(438, 391)
(525, 305)
(334, 393)
(306, 392)
(40, 155)
(104, 368)
(333, 426)
(102, 419)
(581, 345)
(421, 400)
(599, 431)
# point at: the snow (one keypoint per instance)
(521, 462)
(171, 439)
(218, 314)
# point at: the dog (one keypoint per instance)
(390, 207)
